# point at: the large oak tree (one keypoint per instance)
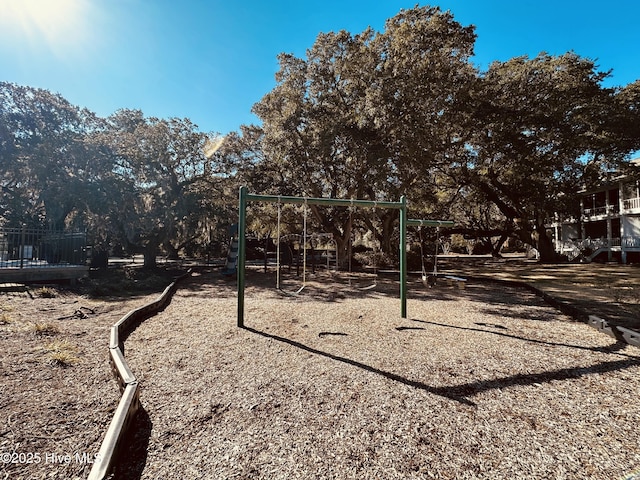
(536, 123)
(368, 116)
(164, 183)
(48, 165)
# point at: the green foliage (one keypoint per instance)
(536, 121)
(163, 176)
(373, 115)
(404, 111)
(367, 116)
(64, 167)
(48, 164)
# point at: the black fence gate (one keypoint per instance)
(37, 248)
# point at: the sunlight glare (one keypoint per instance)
(212, 145)
(57, 24)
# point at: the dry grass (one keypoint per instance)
(45, 409)
(46, 292)
(62, 353)
(481, 383)
(44, 329)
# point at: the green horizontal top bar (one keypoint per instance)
(430, 223)
(322, 201)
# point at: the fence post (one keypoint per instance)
(22, 240)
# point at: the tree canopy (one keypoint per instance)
(143, 183)
(405, 112)
(370, 115)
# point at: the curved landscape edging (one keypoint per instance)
(129, 404)
(621, 334)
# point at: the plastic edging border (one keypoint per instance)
(622, 334)
(129, 403)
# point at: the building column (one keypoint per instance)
(583, 231)
(609, 241)
(623, 250)
(556, 239)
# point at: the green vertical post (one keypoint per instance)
(247, 197)
(403, 257)
(240, 261)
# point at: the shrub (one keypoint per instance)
(372, 259)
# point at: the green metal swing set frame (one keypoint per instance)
(405, 222)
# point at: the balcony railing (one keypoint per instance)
(573, 248)
(631, 203)
(631, 242)
(627, 205)
(601, 211)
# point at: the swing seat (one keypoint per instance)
(291, 294)
(456, 281)
(352, 278)
(429, 280)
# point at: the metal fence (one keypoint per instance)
(38, 248)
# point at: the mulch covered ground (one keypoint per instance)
(57, 394)
(486, 382)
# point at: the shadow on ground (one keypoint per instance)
(608, 291)
(461, 393)
(135, 458)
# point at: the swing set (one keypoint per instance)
(246, 197)
(304, 241)
(304, 252)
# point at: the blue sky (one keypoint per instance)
(211, 60)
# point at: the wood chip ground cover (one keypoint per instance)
(484, 382)
(57, 393)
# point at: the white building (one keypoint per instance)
(609, 224)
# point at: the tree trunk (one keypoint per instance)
(495, 248)
(342, 250)
(545, 247)
(386, 245)
(150, 254)
(172, 251)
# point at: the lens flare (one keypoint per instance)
(58, 24)
(211, 146)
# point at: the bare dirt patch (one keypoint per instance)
(57, 393)
(484, 382)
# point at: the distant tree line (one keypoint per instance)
(374, 115)
(141, 184)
